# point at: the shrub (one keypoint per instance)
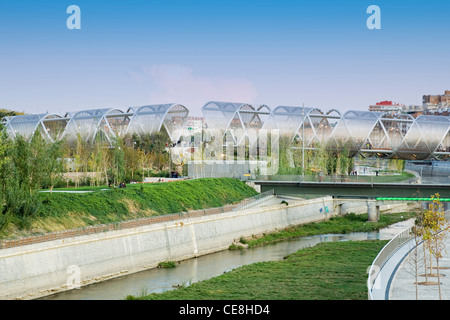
(167, 264)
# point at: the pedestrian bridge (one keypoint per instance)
(365, 133)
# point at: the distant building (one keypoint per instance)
(438, 112)
(438, 105)
(413, 110)
(435, 102)
(387, 106)
(431, 105)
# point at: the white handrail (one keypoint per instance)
(250, 201)
(383, 256)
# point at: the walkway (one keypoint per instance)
(403, 287)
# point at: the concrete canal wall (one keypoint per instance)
(30, 271)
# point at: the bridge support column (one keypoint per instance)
(373, 211)
(338, 209)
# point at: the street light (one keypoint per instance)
(303, 141)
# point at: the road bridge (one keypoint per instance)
(355, 189)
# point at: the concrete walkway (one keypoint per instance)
(380, 289)
(403, 282)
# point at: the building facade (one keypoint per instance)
(434, 102)
(387, 106)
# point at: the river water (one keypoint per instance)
(208, 266)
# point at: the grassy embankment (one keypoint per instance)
(337, 225)
(59, 211)
(328, 271)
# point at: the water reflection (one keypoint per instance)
(202, 268)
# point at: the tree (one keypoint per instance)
(286, 157)
(21, 155)
(54, 166)
(435, 233)
(77, 159)
(24, 178)
(422, 229)
(9, 113)
(5, 176)
(142, 156)
(415, 257)
(39, 161)
(118, 161)
(105, 163)
(131, 156)
(95, 163)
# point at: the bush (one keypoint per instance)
(5, 219)
(167, 264)
(354, 217)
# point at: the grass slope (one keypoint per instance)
(160, 198)
(71, 210)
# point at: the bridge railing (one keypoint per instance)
(384, 255)
(382, 177)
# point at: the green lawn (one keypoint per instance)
(159, 198)
(85, 188)
(337, 225)
(327, 271)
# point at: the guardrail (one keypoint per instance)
(250, 201)
(340, 178)
(384, 255)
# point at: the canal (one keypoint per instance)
(208, 266)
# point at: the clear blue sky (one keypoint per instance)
(130, 53)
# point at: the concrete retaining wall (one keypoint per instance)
(360, 206)
(40, 269)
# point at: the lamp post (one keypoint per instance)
(303, 141)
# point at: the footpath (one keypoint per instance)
(403, 282)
